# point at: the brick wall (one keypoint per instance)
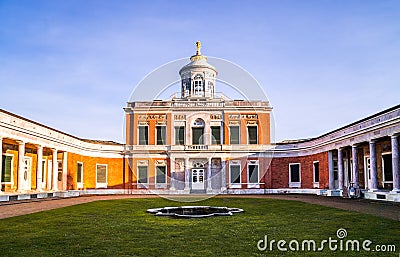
(279, 170)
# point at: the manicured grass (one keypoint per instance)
(123, 228)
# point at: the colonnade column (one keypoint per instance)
(395, 163)
(223, 175)
(373, 185)
(354, 152)
(39, 169)
(340, 168)
(209, 187)
(1, 163)
(330, 170)
(21, 165)
(55, 170)
(187, 175)
(172, 172)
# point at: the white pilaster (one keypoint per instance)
(395, 164)
(354, 152)
(209, 187)
(373, 184)
(21, 166)
(187, 174)
(55, 170)
(172, 171)
(223, 175)
(39, 169)
(340, 168)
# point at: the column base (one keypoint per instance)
(373, 190)
(395, 191)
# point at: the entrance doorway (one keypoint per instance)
(198, 179)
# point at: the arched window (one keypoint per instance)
(198, 85)
(198, 132)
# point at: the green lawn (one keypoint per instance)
(123, 228)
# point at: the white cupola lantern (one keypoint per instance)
(198, 77)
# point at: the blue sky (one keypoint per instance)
(72, 65)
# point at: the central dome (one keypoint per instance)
(198, 77)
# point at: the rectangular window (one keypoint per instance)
(143, 135)
(234, 135)
(7, 168)
(335, 170)
(252, 135)
(161, 132)
(142, 175)
(197, 134)
(161, 174)
(387, 167)
(101, 176)
(216, 135)
(79, 172)
(60, 170)
(179, 135)
(316, 172)
(235, 174)
(253, 173)
(294, 175)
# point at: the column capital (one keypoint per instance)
(39, 146)
(394, 136)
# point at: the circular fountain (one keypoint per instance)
(194, 211)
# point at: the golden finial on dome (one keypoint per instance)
(198, 46)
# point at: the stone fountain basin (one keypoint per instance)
(194, 211)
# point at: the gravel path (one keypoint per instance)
(381, 209)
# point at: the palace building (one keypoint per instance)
(200, 143)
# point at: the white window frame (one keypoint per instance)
(235, 185)
(294, 184)
(12, 170)
(138, 133)
(256, 163)
(102, 185)
(137, 175)
(80, 185)
(220, 134)
(165, 127)
(383, 170)
(44, 173)
(316, 184)
(184, 134)
(158, 184)
(248, 135)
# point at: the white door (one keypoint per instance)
(198, 179)
(27, 173)
(367, 172)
